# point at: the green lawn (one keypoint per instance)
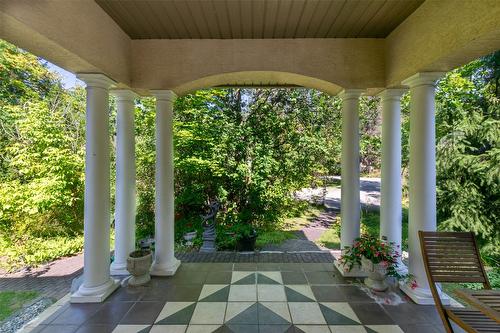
(288, 227)
(11, 301)
(370, 224)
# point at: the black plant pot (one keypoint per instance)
(246, 243)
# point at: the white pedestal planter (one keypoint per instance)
(189, 236)
(376, 275)
(139, 268)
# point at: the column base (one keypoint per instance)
(402, 269)
(422, 296)
(95, 294)
(165, 269)
(118, 268)
(356, 271)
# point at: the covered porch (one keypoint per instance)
(169, 48)
(253, 293)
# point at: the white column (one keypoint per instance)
(125, 181)
(350, 204)
(422, 191)
(390, 200)
(165, 263)
(97, 283)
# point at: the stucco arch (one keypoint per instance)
(258, 79)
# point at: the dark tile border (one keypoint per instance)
(255, 257)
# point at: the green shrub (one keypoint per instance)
(32, 251)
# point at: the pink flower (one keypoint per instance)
(413, 284)
(385, 263)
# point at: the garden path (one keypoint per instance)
(306, 237)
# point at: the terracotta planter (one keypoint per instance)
(376, 275)
(138, 267)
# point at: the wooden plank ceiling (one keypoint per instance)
(234, 19)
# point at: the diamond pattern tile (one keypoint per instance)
(273, 313)
(306, 313)
(312, 329)
(271, 293)
(299, 293)
(243, 277)
(250, 298)
(269, 278)
(214, 293)
(242, 293)
(176, 313)
(241, 313)
(339, 314)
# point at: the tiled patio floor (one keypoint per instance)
(244, 297)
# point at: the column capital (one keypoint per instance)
(423, 78)
(391, 94)
(165, 95)
(351, 93)
(124, 94)
(96, 80)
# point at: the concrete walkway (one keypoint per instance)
(51, 280)
(369, 194)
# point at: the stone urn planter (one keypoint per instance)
(138, 265)
(189, 236)
(376, 274)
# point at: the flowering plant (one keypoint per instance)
(378, 252)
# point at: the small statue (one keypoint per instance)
(209, 228)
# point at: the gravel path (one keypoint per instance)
(17, 320)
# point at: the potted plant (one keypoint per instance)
(139, 263)
(377, 258)
(190, 235)
(245, 237)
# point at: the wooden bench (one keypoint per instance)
(453, 257)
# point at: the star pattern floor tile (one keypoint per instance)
(202, 328)
(269, 278)
(176, 313)
(275, 313)
(306, 313)
(243, 277)
(132, 328)
(241, 313)
(171, 329)
(299, 293)
(214, 293)
(209, 313)
(339, 314)
(270, 293)
(267, 301)
(242, 293)
(312, 329)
